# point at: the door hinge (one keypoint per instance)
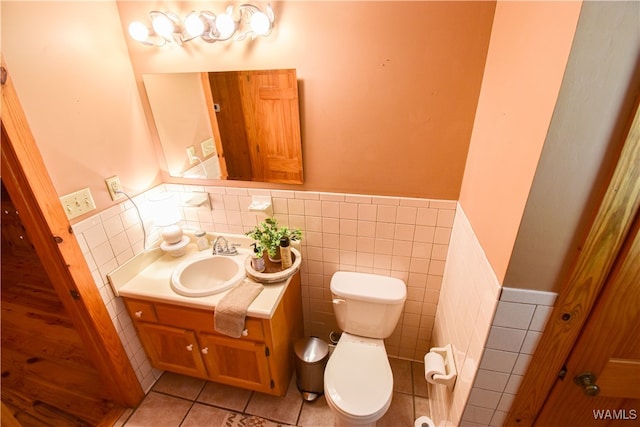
(266, 351)
(272, 384)
(562, 373)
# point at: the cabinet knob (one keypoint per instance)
(205, 350)
(190, 347)
(245, 332)
(138, 313)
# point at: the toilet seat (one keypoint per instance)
(358, 381)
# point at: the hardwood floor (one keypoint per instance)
(47, 376)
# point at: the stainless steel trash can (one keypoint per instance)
(311, 358)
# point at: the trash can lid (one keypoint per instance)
(311, 349)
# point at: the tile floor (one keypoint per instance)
(177, 400)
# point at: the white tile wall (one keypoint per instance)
(406, 238)
(108, 240)
(466, 307)
(493, 331)
(384, 235)
(516, 329)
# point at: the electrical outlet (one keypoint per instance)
(78, 203)
(191, 154)
(113, 185)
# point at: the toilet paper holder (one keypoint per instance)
(451, 375)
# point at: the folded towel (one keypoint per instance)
(231, 311)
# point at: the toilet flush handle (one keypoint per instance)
(337, 301)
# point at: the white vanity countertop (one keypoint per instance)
(147, 276)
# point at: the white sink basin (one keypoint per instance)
(208, 275)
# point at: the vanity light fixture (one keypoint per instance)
(247, 20)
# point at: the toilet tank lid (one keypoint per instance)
(368, 287)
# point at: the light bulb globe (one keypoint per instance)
(193, 25)
(162, 25)
(225, 25)
(260, 23)
(138, 31)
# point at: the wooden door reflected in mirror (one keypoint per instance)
(256, 113)
(253, 118)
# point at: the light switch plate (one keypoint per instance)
(78, 203)
(207, 148)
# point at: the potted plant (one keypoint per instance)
(268, 234)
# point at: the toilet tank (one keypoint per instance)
(368, 305)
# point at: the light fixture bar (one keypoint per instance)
(167, 28)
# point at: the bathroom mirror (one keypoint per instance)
(239, 125)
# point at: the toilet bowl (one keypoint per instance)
(358, 382)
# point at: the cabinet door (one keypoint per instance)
(236, 362)
(172, 349)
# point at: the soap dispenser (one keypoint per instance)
(201, 240)
(257, 261)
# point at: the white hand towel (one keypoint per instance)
(231, 311)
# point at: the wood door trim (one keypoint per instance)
(215, 129)
(615, 217)
(27, 180)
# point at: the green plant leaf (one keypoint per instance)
(268, 234)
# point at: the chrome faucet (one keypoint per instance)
(219, 249)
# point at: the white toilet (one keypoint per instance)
(358, 383)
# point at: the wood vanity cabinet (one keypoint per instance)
(183, 340)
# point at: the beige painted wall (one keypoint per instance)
(388, 90)
(70, 67)
(590, 122)
(180, 116)
(530, 44)
(388, 96)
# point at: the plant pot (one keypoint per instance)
(276, 258)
